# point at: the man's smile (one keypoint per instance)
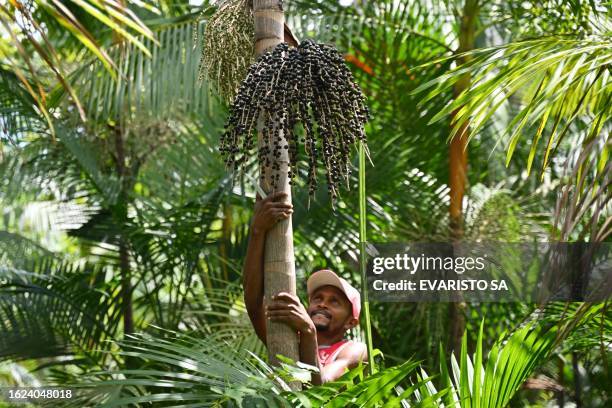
(321, 312)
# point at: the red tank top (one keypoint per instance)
(327, 354)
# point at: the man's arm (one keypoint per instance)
(266, 214)
(287, 308)
(349, 357)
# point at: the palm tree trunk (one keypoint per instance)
(577, 381)
(458, 152)
(561, 381)
(458, 160)
(279, 263)
(121, 214)
(126, 289)
(127, 308)
(226, 229)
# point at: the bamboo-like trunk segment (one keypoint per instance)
(279, 263)
(458, 161)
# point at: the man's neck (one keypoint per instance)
(323, 339)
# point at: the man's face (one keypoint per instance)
(330, 310)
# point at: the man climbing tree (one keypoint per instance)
(333, 309)
(294, 96)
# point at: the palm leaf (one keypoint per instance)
(149, 88)
(494, 381)
(22, 18)
(178, 368)
(181, 369)
(558, 80)
(583, 208)
(18, 110)
(54, 309)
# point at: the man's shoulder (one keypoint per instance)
(354, 350)
(355, 343)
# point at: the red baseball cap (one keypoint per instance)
(326, 277)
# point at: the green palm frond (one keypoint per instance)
(16, 250)
(423, 217)
(503, 215)
(54, 309)
(184, 167)
(30, 19)
(492, 380)
(584, 208)
(18, 110)
(219, 313)
(556, 80)
(148, 89)
(521, 19)
(117, 17)
(177, 369)
(595, 334)
(353, 389)
(333, 22)
(74, 164)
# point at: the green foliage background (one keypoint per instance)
(122, 235)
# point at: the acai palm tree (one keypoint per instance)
(123, 232)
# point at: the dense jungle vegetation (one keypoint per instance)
(122, 234)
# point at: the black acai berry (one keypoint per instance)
(309, 85)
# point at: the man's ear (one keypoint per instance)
(352, 322)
